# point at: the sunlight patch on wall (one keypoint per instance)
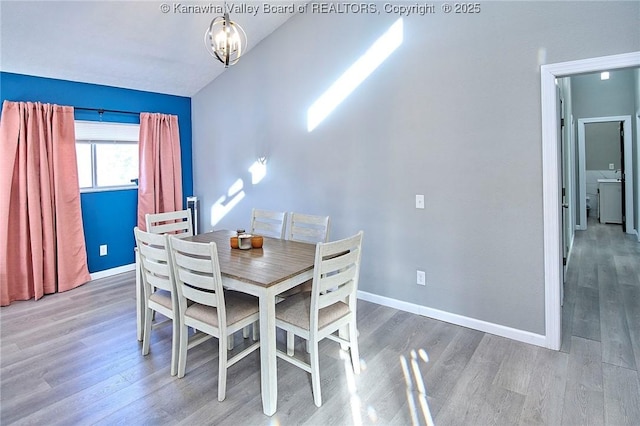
(236, 192)
(355, 75)
(258, 170)
(224, 204)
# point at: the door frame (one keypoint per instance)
(552, 221)
(628, 168)
(638, 159)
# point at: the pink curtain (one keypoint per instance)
(160, 180)
(42, 248)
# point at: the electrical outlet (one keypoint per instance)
(103, 250)
(612, 166)
(421, 278)
(419, 201)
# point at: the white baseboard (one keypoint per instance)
(113, 271)
(487, 327)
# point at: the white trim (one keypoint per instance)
(107, 188)
(582, 179)
(628, 168)
(638, 163)
(550, 182)
(113, 271)
(476, 324)
(573, 185)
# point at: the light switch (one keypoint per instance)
(103, 250)
(419, 201)
(421, 278)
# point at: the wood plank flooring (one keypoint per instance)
(73, 359)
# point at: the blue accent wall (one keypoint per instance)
(108, 216)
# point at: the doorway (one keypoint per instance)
(551, 179)
(586, 177)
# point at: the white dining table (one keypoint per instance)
(262, 272)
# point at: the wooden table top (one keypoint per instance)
(277, 260)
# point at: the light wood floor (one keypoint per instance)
(73, 359)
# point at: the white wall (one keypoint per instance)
(453, 114)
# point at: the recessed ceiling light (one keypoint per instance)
(604, 75)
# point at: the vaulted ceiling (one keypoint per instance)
(146, 45)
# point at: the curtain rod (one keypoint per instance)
(103, 110)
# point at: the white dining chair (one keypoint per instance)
(268, 223)
(304, 228)
(308, 228)
(212, 312)
(329, 308)
(177, 223)
(159, 289)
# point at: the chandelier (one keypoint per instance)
(225, 40)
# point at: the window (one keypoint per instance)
(107, 155)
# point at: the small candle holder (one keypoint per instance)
(257, 241)
(244, 241)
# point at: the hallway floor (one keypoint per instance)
(601, 319)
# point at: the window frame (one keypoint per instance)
(95, 133)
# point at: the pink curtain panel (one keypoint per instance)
(160, 182)
(42, 247)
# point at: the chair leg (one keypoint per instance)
(315, 374)
(291, 338)
(146, 334)
(230, 342)
(139, 298)
(256, 331)
(182, 351)
(355, 353)
(222, 368)
(175, 346)
(343, 333)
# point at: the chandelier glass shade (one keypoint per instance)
(225, 40)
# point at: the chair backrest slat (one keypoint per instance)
(337, 295)
(336, 274)
(197, 273)
(155, 252)
(154, 261)
(337, 279)
(308, 228)
(177, 223)
(268, 223)
(334, 264)
(199, 296)
(192, 278)
(200, 265)
(159, 282)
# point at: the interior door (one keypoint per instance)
(564, 201)
(622, 177)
